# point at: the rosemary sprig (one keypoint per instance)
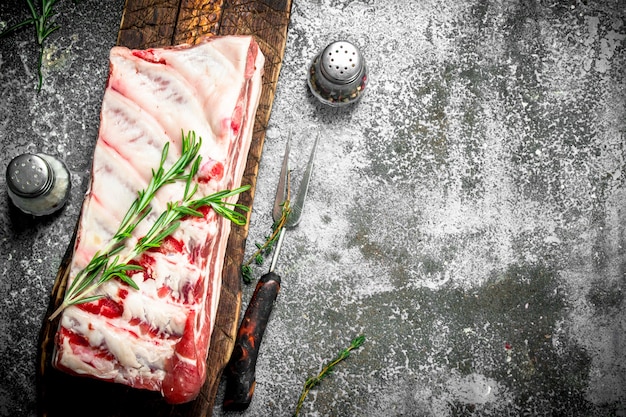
(99, 269)
(106, 264)
(140, 208)
(43, 28)
(311, 382)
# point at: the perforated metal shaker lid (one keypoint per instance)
(29, 176)
(341, 62)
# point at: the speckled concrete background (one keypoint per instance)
(467, 215)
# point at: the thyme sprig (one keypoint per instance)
(43, 28)
(107, 264)
(311, 382)
(266, 248)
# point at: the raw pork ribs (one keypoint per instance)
(158, 338)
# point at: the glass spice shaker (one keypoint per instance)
(38, 184)
(338, 75)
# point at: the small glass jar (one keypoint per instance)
(338, 75)
(38, 184)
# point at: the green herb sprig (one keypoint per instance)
(43, 28)
(266, 248)
(311, 382)
(107, 264)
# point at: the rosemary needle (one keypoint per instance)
(311, 382)
(106, 264)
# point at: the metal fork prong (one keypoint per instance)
(283, 183)
(296, 209)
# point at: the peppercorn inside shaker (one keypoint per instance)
(338, 75)
(38, 184)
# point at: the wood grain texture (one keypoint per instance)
(148, 23)
(157, 23)
(197, 18)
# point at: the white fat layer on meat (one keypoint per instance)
(131, 132)
(223, 71)
(174, 271)
(139, 353)
(221, 251)
(115, 181)
(168, 318)
(197, 231)
(145, 105)
(165, 95)
(103, 214)
(84, 362)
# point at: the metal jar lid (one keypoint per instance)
(338, 75)
(29, 176)
(341, 62)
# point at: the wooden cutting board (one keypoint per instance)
(154, 23)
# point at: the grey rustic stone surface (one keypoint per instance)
(467, 215)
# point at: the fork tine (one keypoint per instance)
(298, 206)
(283, 183)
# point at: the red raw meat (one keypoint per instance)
(157, 338)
